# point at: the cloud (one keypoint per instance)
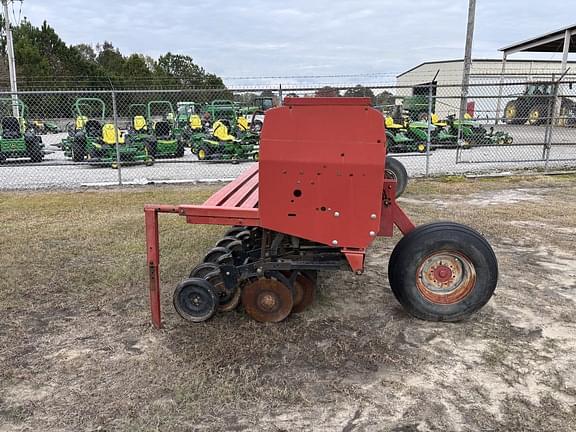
(274, 38)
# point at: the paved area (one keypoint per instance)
(527, 152)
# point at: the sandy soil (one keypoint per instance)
(78, 353)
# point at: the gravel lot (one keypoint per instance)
(527, 154)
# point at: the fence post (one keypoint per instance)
(280, 102)
(429, 132)
(551, 120)
(116, 132)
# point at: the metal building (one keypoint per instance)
(447, 77)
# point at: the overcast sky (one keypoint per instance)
(301, 37)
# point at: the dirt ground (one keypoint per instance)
(77, 352)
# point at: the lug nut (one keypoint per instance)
(334, 242)
(336, 214)
(373, 216)
(372, 234)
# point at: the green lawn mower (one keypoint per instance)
(93, 140)
(195, 132)
(245, 133)
(222, 110)
(224, 146)
(17, 140)
(440, 137)
(138, 131)
(475, 134)
(166, 140)
(184, 110)
(397, 140)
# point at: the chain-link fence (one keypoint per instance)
(99, 137)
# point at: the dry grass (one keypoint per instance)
(78, 352)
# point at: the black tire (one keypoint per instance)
(243, 235)
(225, 259)
(256, 126)
(201, 270)
(34, 147)
(194, 300)
(225, 241)
(180, 150)
(231, 232)
(395, 170)
(411, 272)
(215, 253)
(151, 148)
(235, 246)
(79, 148)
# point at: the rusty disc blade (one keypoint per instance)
(227, 299)
(232, 303)
(303, 293)
(267, 300)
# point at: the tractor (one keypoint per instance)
(534, 105)
(17, 139)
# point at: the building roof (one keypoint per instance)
(548, 42)
(477, 61)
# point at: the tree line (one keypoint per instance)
(43, 59)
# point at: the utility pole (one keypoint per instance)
(11, 61)
(467, 56)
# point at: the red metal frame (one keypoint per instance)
(321, 184)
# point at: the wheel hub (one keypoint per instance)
(445, 277)
(442, 273)
(267, 300)
(196, 300)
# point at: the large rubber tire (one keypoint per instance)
(537, 115)
(512, 114)
(395, 170)
(408, 271)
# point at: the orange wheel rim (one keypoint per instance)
(445, 277)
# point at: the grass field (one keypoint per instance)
(77, 351)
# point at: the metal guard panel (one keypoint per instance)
(322, 172)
